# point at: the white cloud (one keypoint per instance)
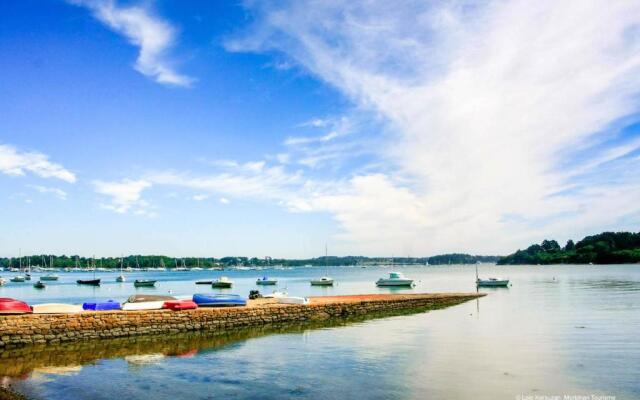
(224, 200)
(17, 163)
(488, 103)
(126, 195)
(200, 197)
(148, 32)
(59, 193)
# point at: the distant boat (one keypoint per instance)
(93, 282)
(18, 279)
(55, 308)
(12, 306)
(144, 283)
(491, 282)
(293, 300)
(324, 280)
(49, 277)
(39, 285)
(395, 279)
(121, 277)
(266, 281)
(204, 282)
(222, 282)
(219, 300)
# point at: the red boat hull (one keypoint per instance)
(177, 305)
(12, 306)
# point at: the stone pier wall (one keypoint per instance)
(19, 330)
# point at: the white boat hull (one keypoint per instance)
(145, 305)
(293, 300)
(55, 308)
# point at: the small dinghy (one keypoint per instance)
(108, 305)
(293, 300)
(218, 300)
(56, 308)
(179, 305)
(49, 278)
(144, 283)
(266, 281)
(18, 279)
(13, 306)
(39, 285)
(92, 282)
(143, 305)
(223, 283)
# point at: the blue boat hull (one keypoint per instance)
(102, 306)
(219, 300)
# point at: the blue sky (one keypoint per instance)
(270, 128)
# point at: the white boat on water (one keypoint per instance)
(266, 281)
(49, 277)
(324, 280)
(121, 277)
(491, 282)
(395, 279)
(293, 300)
(18, 278)
(56, 308)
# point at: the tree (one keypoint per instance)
(570, 245)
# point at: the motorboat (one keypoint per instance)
(395, 279)
(18, 278)
(323, 281)
(179, 305)
(27, 276)
(49, 277)
(293, 300)
(13, 306)
(108, 305)
(222, 282)
(144, 283)
(266, 281)
(491, 282)
(92, 282)
(56, 308)
(219, 300)
(39, 285)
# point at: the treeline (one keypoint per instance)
(604, 248)
(154, 261)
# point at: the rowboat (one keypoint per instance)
(12, 306)
(218, 300)
(101, 306)
(266, 281)
(395, 279)
(144, 283)
(143, 305)
(18, 279)
(39, 285)
(56, 308)
(293, 300)
(92, 282)
(49, 278)
(222, 282)
(323, 281)
(178, 305)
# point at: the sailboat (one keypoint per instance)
(121, 277)
(94, 281)
(325, 280)
(491, 282)
(49, 277)
(19, 278)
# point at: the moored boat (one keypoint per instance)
(491, 282)
(222, 282)
(293, 300)
(108, 305)
(13, 306)
(93, 282)
(266, 281)
(395, 279)
(205, 282)
(56, 308)
(178, 305)
(144, 283)
(49, 277)
(18, 278)
(39, 285)
(323, 281)
(219, 300)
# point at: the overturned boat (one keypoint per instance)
(56, 308)
(13, 306)
(219, 300)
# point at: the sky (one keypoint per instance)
(272, 128)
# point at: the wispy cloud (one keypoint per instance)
(486, 102)
(152, 35)
(59, 193)
(126, 196)
(15, 162)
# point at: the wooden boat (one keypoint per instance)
(49, 277)
(223, 282)
(395, 279)
(13, 306)
(93, 282)
(218, 300)
(39, 285)
(143, 305)
(56, 308)
(142, 298)
(178, 305)
(266, 281)
(18, 278)
(144, 283)
(108, 305)
(293, 300)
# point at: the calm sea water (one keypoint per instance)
(558, 330)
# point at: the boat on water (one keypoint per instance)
(121, 277)
(395, 279)
(325, 280)
(18, 278)
(491, 282)
(266, 281)
(108, 305)
(293, 300)
(222, 282)
(13, 306)
(39, 285)
(93, 282)
(49, 277)
(56, 308)
(179, 305)
(144, 283)
(27, 276)
(219, 300)
(205, 282)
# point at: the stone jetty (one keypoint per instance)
(28, 329)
